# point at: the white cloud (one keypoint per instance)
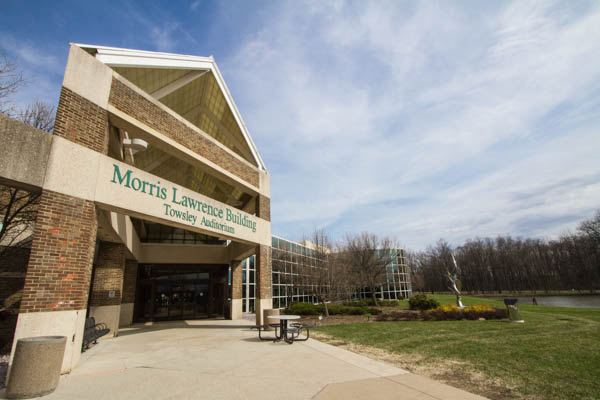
(421, 121)
(41, 67)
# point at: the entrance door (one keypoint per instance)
(162, 299)
(146, 293)
(201, 300)
(181, 292)
(188, 298)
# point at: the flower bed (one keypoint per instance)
(452, 312)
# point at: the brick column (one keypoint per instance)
(263, 207)
(58, 275)
(264, 296)
(107, 288)
(128, 299)
(264, 299)
(236, 290)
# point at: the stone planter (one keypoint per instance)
(35, 369)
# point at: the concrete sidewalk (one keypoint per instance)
(220, 359)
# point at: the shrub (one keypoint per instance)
(335, 309)
(300, 308)
(451, 312)
(422, 302)
(398, 316)
(369, 303)
(388, 303)
(374, 311)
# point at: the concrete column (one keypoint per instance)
(264, 299)
(128, 299)
(236, 290)
(58, 274)
(107, 288)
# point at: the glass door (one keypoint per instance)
(162, 299)
(201, 300)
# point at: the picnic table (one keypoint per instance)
(289, 333)
(286, 332)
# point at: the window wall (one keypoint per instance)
(249, 284)
(291, 282)
(397, 285)
(291, 265)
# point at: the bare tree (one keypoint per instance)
(11, 80)
(316, 267)
(18, 208)
(415, 263)
(591, 227)
(368, 257)
(39, 115)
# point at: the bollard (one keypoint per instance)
(266, 321)
(36, 365)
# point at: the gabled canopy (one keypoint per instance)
(189, 85)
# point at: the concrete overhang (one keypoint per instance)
(192, 86)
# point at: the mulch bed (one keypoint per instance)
(350, 319)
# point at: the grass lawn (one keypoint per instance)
(555, 354)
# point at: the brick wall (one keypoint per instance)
(62, 250)
(127, 100)
(236, 279)
(108, 274)
(263, 272)
(129, 281)
(81, 121)
(263, 207)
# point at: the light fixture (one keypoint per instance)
(135, 145)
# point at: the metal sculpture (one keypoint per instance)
(453, 285)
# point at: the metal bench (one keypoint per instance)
(299, 326)
(262, 328)
(92, 332)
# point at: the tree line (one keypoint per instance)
(506, 263)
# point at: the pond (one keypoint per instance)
(576, 301)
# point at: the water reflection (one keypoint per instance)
(584, 301)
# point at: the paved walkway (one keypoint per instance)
(225, 360)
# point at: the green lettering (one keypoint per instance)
(117, 175)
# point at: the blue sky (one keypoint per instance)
(416, 120)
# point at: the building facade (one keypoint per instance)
(152, 190)
(289, 259)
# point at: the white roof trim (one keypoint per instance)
(116, 57)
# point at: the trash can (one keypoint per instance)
(514, 315)
(36, 366)
(266, 320)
